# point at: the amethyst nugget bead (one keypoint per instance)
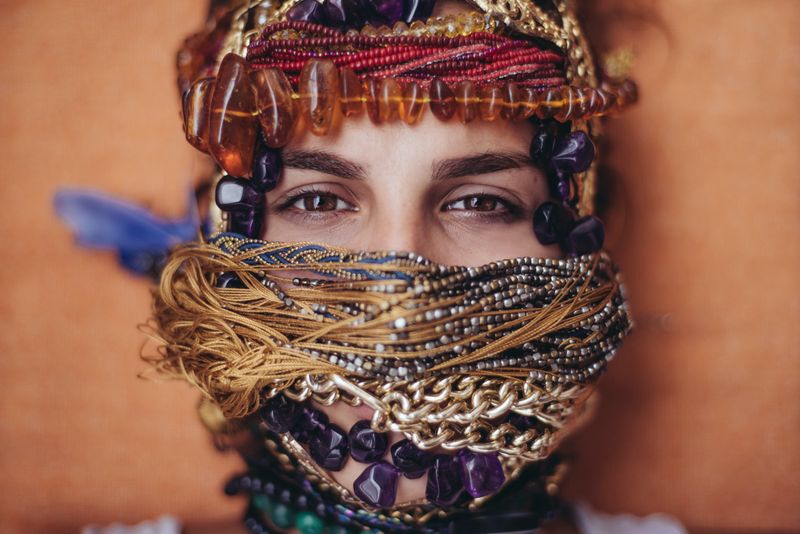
(551, 222)
(266, 167)
(366, 445)
(444, 485)
(586, 236)
(377, 485)
(329, 448)
(309, 422)
(573, 154)
(410, 460)
(481, 473)
(279, 413)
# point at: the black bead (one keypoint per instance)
(237, 194)
(229, 280)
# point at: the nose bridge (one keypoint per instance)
(399, 224)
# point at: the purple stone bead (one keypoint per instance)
(306, 10)
(377, 485)
(417, 10)
(329, 448)
(309, 422)
(266, 168)
(229, 280)
(247, 223)
(481, 473)
(366, 445)
(551, 222)
(573, 154)
(389, 10)
(410, 460)
(444, 485)
(545, 140)
(279, 413)
(334, 13)
(236, 194)
(587, 235)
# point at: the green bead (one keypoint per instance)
(309, 523)
(262, 502)
(282, 516)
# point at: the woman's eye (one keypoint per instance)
(321, 202)
(478, 203)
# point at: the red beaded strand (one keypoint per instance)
(482, 57)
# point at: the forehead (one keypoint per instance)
(397, 143)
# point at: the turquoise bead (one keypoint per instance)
(263, 503)
(282, 516)
(309, 523)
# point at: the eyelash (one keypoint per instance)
(507, 210)
(310, 192)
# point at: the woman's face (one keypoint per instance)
(455, 194)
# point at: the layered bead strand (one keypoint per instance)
(222, 116)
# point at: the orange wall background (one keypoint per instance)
(700, 414)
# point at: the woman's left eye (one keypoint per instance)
(482, 203)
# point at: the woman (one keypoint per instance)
(421, 385)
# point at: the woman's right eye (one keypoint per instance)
(320, 202)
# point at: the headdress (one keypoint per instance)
(482, 369)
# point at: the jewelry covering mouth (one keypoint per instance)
(449, 356)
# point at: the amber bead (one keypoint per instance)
(549, 103)
(627, 94)
(196, 110)
(510, 107)
(491, 102)
(350, 93)
(413, 103)
(233, 125)
(319, 93)
(371, 89)
(607, 99)
(589, 102)
(528, 102)
(276, 109)
(466, 95)
(390, 99)
(569, 108)
(442, 100)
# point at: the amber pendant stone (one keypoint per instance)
(390, 98)
(371, 98)
(196, 110)
(319, 94)
(491, 103)
(350, 93)
(442, 100)
(233, 125)
(528, 102)
(413, 103)
(276, 109)
(511, 99)
(467, 101)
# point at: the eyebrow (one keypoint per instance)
(324, 162)
(485, 163)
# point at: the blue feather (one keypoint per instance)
(140, 238)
